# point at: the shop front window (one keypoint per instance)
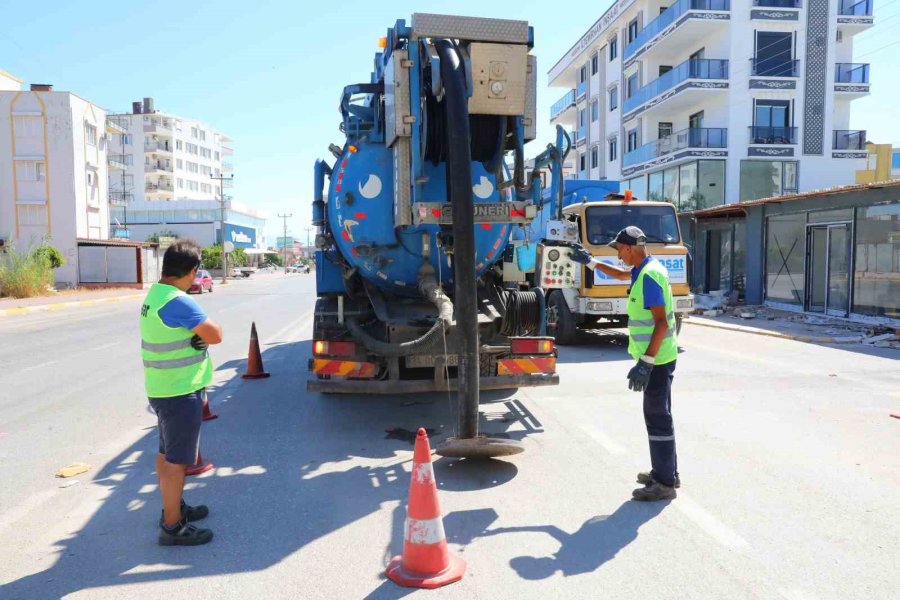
(785, 247)
(876, 279)
(670, 185)
(711, 183)
(767, 179)
(687, 187)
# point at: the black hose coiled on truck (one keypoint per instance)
(523, 313)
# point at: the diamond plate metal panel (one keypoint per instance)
(396, 98)
(402, 166)
(816, 77)
(530, 119)
(426, 25)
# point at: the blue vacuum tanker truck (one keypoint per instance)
(414, 214)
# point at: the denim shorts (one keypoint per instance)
(179, 419)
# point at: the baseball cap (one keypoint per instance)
(630, 236)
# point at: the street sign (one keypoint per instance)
(229, 247)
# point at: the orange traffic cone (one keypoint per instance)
(254, 358)
(208, 414)
(199, 466)
(426, 561)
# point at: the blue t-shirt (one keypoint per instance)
(182, 311)
(653, 294)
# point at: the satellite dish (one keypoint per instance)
(229, 247)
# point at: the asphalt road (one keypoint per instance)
(788, 458)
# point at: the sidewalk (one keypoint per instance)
(66, 299)
(800, 328)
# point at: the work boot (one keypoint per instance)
(191, 513)
(653, 492)
(182, 534)
(646, 478)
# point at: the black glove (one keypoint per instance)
(639, 376)
(197, 343)
(579, 254)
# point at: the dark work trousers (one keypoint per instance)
(660, 429)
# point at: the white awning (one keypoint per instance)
(258, 251)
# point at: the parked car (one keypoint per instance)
(235, 272)
(203, 282)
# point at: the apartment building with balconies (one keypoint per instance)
(53, 171)
(161, 156)
(707, 102)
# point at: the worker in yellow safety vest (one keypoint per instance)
(652, 343)
(175, 335)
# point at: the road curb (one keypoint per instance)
(810, 339)
(27, 310)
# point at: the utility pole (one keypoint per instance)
(285, 217)
(222, 179)
(308, 229)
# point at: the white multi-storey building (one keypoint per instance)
(159, 156)
(706, 102)
(53, 170)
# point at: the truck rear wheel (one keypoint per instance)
(560, 322)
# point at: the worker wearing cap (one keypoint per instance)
(652, 343)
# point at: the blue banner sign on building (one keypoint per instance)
(241, 237)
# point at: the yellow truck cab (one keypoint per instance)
(590, 299)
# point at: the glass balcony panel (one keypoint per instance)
(855, 8)
(760, 134)
(690, 69)
(851, 73)
(849, 139)
(669, 16)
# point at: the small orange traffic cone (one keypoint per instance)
(208, 414)
(426, 561)
(254, 358)
(199, 466)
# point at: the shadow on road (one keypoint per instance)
(589, 548)
(292, 468)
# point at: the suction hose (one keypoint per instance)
(459, 191)
(430, 288)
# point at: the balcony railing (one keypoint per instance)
(760, 134)
(704, 68)
(155, 187)
(581, 90)
(694, 137)
(158, 166)
(669, 16)
(580, 134)
(774, 67)
(562, 104)
(227, 165)
(851, 73)
(116, 125)
(157, 147)
(845, 139)
(120, 197)
(855, 8)
(119, 160)
(778, 3)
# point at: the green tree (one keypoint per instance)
(154, 238)
(211, 256)
(238, 258)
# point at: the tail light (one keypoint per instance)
(531, 345)
(323, 348)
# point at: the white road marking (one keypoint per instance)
(40, 366)
(603, 439)
(708, 523)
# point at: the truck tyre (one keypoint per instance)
(558, 314)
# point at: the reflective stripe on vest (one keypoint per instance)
(168, 347)
(175, 363)
(641, 323)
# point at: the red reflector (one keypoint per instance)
(531, 345)
(323, 348)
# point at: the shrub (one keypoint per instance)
(211, 256)
(50, 255)
(25, 274)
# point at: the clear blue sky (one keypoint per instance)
(269, 73)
